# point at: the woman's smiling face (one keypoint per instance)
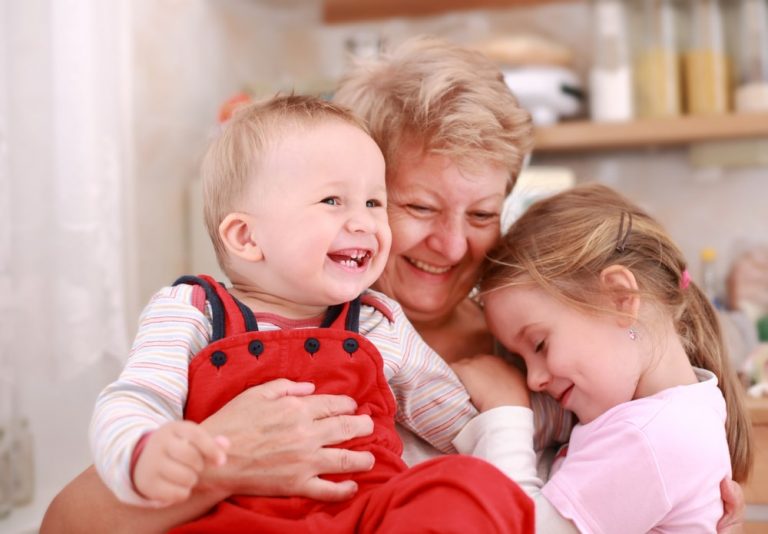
(444, 220)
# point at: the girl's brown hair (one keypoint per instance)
(564, 242)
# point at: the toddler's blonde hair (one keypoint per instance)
(234, 156)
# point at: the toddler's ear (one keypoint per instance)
(621, 287)
(236, 234)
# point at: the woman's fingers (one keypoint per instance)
(334, 461)
(325, 490)
(340, 428)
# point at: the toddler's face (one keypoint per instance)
(582, 360)
(319, 204)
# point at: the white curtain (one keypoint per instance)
(65, 186)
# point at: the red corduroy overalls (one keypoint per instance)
(448, 494)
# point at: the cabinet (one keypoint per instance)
(756, 489)
(354, 10)
(581, 136)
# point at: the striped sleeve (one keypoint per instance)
(152, 388)
(431, 401)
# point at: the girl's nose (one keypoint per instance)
(538, 377)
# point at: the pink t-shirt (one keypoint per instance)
(649, 465)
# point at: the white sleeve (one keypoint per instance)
(152, 388)
(503, 437)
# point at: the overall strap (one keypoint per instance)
(229, 315)
(343, 316)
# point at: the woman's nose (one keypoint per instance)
(449, 238)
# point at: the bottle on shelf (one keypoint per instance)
(657, 65)
(752, 89)
(610, 77)
(709, 279)
(706, 64)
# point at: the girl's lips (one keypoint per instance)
(563, 399)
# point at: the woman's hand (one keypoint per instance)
(279, 437)
(732, 521)
(492, 382)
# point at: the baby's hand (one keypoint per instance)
(173, 458)
(492, 382)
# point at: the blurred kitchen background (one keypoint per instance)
(106, 105)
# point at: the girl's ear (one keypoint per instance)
(621, 286)
(235, 232)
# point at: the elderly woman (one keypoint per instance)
(454, 139)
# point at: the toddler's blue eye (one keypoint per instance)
(331, 201)
(373, 203)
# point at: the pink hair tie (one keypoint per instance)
(685, 279)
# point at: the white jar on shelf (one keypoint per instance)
(752, 89)
(610, 77)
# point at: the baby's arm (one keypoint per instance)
(172, 459)
(151, 389)
(431, 401)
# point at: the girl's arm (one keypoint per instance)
(503, 433)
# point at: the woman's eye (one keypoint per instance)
(373, 203)
(484, 216)
(331, 201)
(418, 208)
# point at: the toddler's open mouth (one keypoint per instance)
(354, 258)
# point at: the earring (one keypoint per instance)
(632, 334)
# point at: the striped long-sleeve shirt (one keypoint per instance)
(152, 388)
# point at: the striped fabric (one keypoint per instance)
(152, 388)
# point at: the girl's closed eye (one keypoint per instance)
(539, 346)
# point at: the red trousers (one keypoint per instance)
(448, 494)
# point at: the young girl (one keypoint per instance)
(596, 298)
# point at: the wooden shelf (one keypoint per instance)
(592, 136)
(355, 10)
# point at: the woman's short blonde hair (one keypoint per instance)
(234, 156)
(443, 99)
